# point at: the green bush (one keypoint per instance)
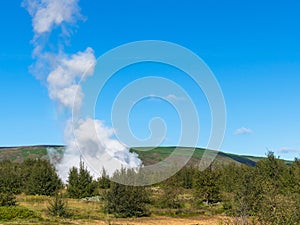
(80, 183)
(40, 178)
(103, 182)
(7, 199)
(17, 212)
(10, 177)
(125, 200)
(58, 207)
(171, 189)
(207, 187)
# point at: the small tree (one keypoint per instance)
(127, 201)
(103, 181)
(80, 183)
(186, 176)
(246, 195)
(207, 186)
(171, 189)
(278, 203)
(58, 207)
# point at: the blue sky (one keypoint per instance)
(252, 47)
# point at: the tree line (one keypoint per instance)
(268, 193)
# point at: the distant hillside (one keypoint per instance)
(18, 154)
(158, 154)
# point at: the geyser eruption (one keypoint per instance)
(98, 148)
(62, 73)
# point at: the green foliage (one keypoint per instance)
(103, 182)
(230, 174)
(30, 177)
(278, 202)
(58, 207)
(268, 192)
(8, 213)
(282, 209)
(171, 189)
(80, 183)
(186, 177)
(7, 199)
(273, 175)
(10, 177)
(41, 178)
(295, 174)
(207, 185)
(243, 203)
(127, 201)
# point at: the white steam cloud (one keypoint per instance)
(63, 79)
(49, 13)
(99, 149)
(62, 73)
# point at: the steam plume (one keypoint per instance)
(62, 72)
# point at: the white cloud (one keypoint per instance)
(286, 150)
(62, 81)
(243, 131)
(48, 13)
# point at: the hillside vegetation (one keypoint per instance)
(19, 154)
(229, 191)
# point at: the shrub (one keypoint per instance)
(207, 186)
(58, 207)
(17, 212)
(80, 183)
(127, 201)
(103, 182)
(10, 179)
(7, 199)
(124, 200)
(171, 189)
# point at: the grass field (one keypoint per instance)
(91, 212)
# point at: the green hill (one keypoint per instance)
(158, 154)
(18, 154)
